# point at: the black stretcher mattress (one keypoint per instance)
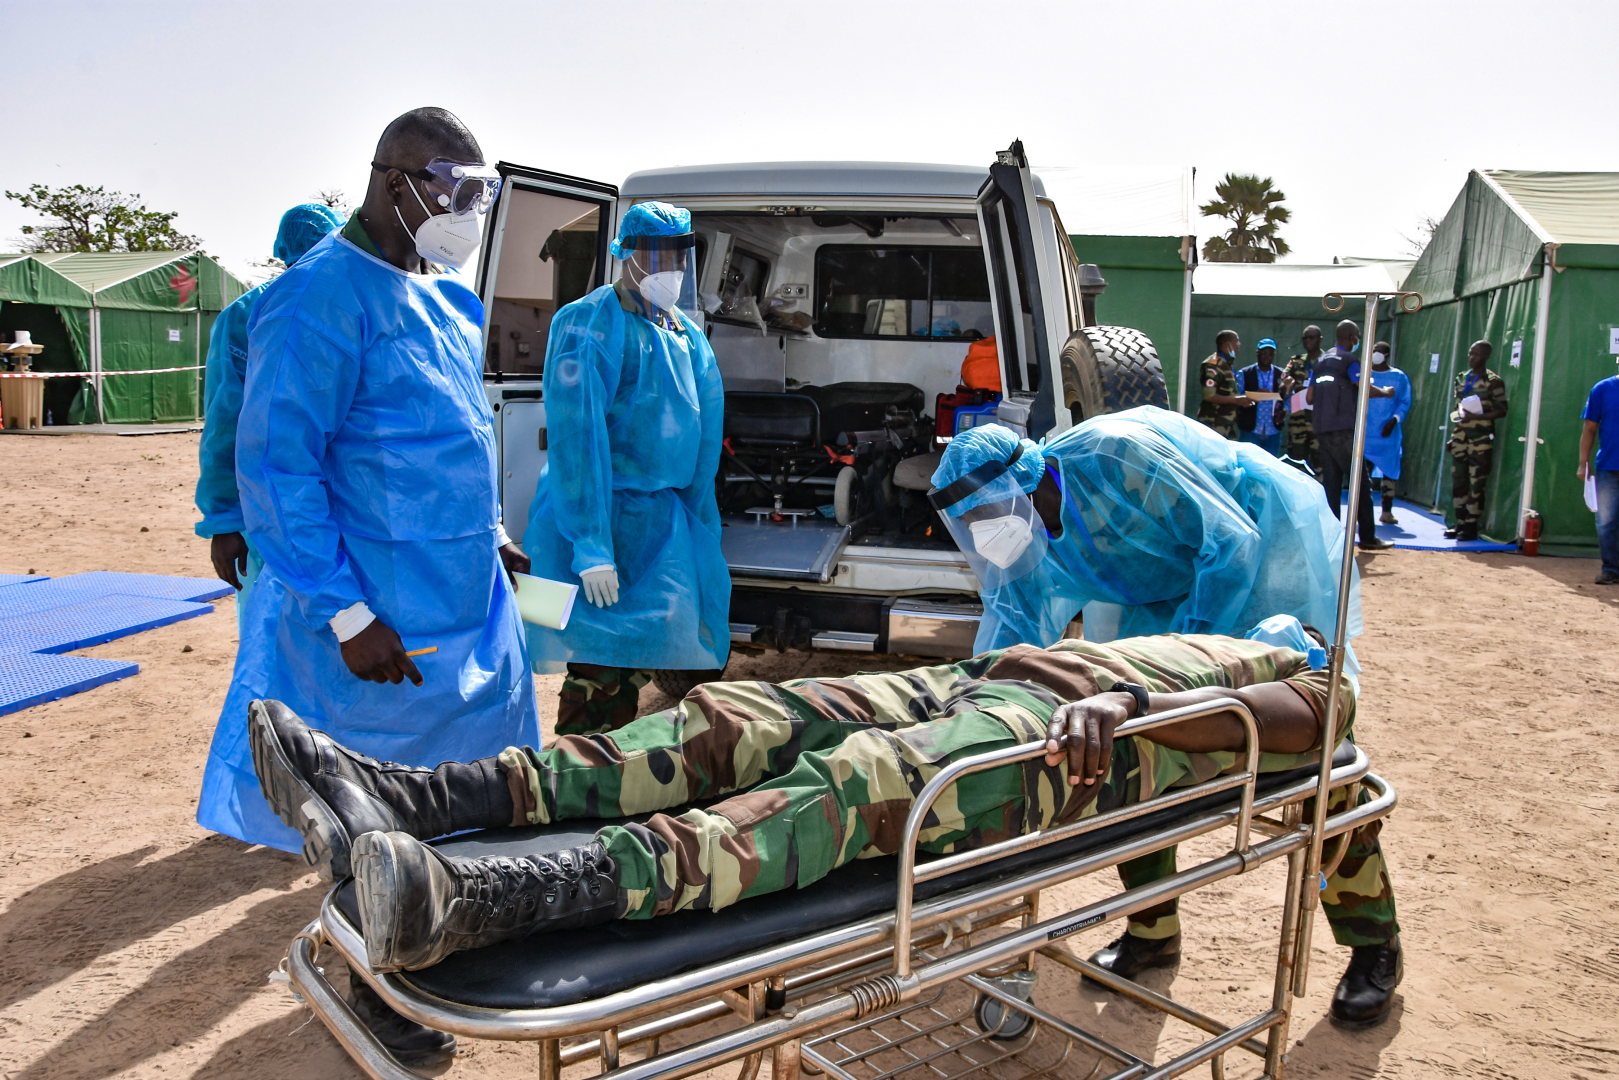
(550, 970)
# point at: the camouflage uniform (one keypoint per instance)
(1302, 444)
(1472, 444)
(833, 765)
(1217, 378)
(596, 699)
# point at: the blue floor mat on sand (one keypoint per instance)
(35, 678)
(1424, 530)
(40, 617)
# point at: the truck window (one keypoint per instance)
(929, 293)
(547, 259)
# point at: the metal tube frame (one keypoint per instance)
(874, 994)
(910, 875)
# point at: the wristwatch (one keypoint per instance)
(1135, 690)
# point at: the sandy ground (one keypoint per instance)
(134, 944)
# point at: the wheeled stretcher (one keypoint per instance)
(813, 975)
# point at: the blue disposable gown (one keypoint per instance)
(225, 373)
(366, 460)
(1385, 453)
(635, 415)
(1190, 532)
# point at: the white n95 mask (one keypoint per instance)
(1001, 540)
(447, 239)
(662, 290)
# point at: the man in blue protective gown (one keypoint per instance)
(234, 560)
(365, 458)
(1147, 521)
(625, 506)
(1385, 427)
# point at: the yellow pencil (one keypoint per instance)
(422, 652)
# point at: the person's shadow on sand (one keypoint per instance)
(61, 926)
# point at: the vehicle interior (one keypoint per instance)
(837, 335)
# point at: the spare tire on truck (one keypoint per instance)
(1107, 369)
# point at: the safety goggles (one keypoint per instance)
(457, 186)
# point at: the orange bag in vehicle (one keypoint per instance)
(982, 368)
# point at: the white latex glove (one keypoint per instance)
(601, 586)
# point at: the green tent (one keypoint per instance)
(1528, 261)
(1136, 229)
(105, 312)
(1278, 300)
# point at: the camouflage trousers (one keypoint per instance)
(1302, 444)
(1358, 900)
(826, 770)
(1469, 475)
(596, 698)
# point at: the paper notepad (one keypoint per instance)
(1299, 402)
(1263, 395)
(1591, 492)
(544, 602)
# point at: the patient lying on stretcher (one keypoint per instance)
(819, 772)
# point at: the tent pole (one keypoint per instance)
(95, 359)
(196, 388)
(1187, 244)
(1444, 425)
(1536, 381)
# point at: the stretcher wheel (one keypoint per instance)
(1106, 369)
(999, 1021)
(846, 495)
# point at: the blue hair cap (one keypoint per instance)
(651, 219)
(302, 228)
(979, 445)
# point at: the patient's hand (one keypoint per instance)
(1087, 728)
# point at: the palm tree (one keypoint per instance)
(1255, 211)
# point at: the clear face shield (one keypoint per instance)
(665, 271)
(993, 523)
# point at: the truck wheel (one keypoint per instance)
(678, 683)
(1106, 369)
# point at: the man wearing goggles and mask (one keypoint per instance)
(365, 459)
(625, 505)
(1144, 518)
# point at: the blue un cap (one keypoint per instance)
(1265, 343)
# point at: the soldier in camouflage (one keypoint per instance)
(1481, 400)
(1302, 444)
(1221, 398)
(813, 773)
(597, 698)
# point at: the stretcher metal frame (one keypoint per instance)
(831, 982)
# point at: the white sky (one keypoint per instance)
(1367, 115)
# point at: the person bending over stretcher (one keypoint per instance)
(820, 771)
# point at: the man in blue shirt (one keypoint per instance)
(1385, 435)
(1602, 426)
(1260, 424)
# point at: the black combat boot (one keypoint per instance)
(411, 1044)
(418, 906)
(1128, 955)
(1366, 992)
(331, 795)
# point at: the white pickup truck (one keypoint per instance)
(841, 299)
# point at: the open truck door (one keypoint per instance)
(1028, 295)
(546, 247)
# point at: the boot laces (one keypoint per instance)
(504, 887)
